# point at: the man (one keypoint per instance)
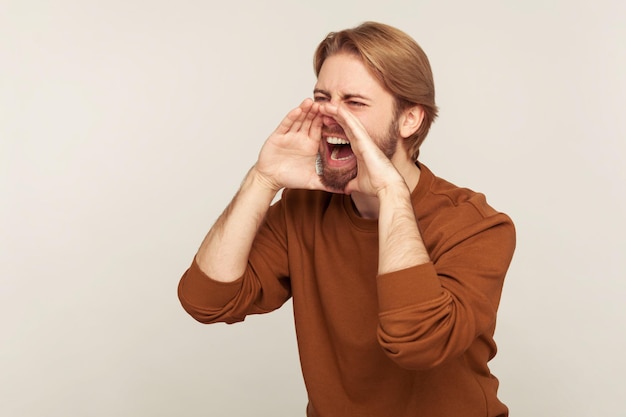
(395, 274)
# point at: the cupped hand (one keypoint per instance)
(287, 159)
(375, 169)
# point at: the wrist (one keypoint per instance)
(262, 181)
(394, 190)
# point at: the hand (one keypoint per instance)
(288, 157)
(375, 171)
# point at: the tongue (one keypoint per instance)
(342, 152)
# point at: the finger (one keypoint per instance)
(315, 130)
(309, 113)
(305, 106)
(287, 123)
(352, 126)
(312, 124)
(293, 120)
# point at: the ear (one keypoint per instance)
(410, 120)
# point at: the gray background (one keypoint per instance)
(127, 126)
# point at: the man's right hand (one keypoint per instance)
(287, 159)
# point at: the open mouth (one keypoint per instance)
(339, 149)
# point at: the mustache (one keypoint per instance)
(333, 130)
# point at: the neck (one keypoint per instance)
(368, 206)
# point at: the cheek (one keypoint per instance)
(379, 128)
(372, 125)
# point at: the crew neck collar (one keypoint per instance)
(371, 225)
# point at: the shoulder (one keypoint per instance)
(446, 211)
(437, 196)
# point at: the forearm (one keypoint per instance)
(223, 255)
(400, 241)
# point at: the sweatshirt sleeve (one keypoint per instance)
(264, 286)
(434, 312)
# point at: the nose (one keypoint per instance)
(329, 121)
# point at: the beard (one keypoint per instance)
(337, 178)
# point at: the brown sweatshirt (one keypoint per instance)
(415, 342)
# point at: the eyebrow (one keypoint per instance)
(347, 96)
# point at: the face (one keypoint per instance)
(343, 78)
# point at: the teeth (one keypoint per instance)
(337, 141)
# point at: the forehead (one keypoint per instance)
(345, 73)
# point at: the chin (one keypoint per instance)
(336, 179)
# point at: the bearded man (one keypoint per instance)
(395, 274)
